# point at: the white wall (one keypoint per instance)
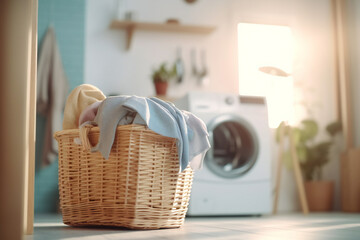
(114, 70)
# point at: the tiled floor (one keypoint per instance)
(290, 226)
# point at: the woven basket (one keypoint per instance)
(138, 187)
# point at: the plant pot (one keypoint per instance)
(319, 195)
(161, 88)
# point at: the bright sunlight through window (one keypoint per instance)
(267, 46)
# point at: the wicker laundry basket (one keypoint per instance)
(138, 187)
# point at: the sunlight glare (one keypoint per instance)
(262, 45)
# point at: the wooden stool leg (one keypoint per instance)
(279, 168)
(298, 176)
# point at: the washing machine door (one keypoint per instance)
(235, 146)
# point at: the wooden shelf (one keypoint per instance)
(130, 26)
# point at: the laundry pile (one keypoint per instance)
(86, 104)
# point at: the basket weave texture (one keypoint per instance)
(138, 187)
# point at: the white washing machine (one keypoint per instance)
(236, 175)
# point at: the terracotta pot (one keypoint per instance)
(161, 88)
(319, 195)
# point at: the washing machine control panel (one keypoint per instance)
(252, 100)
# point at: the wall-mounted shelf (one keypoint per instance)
(131, 26)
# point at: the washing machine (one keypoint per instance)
(236, 174)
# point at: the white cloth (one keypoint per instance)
(199, 142)
(52, 88)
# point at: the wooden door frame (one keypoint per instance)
(18, 66)
(343, 84)
(30, 167)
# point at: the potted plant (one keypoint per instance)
(161, 77)
(313, 156)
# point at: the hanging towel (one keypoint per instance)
(78, 100)
(52, 87)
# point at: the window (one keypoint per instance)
(262, 45)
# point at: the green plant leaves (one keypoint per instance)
(334, 128)
(318, 156)
(297, 135)
(312, 157)
(301, 154)
(309, 130)
(163, 73)
(319, 153)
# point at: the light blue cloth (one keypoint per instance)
(132, 109)
(197, 143)
(186, 133)
(161, 117)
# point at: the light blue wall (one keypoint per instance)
(68, 20)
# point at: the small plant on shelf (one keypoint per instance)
(162, 76)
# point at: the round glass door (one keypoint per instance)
(235, 147)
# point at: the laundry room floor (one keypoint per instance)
(315, 226)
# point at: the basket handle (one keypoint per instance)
(84, 131)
